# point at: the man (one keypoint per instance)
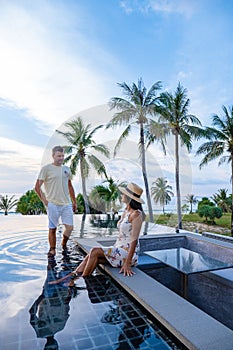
(59, 196)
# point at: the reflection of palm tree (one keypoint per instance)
(161, 191)
(82, 225)
(134, 328)
(207, 260)
(187, 263)
(136, 110)
(80, 148)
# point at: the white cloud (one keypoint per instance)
(19, 165)
(39, 72)
(182, 7)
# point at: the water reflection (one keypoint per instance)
(95, 225)
(133, 329)
(50, 311)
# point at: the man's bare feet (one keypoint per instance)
(52, 251)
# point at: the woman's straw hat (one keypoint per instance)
(132, 191)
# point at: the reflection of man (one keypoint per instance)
(50, 312)
(59, 196)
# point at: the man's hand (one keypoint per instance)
(74, 207)
(45, 202)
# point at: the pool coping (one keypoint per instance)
(193, 327)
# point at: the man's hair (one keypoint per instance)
(57, 149)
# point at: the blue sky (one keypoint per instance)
(62, 58)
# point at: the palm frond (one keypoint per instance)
(151, 96)
(101, 149)
(122, 138)
(212, 150)
(121, 118)
(97, 164)
(120, 104)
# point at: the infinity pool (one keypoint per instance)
(94, 314)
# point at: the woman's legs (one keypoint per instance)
(87, 266)
(90, 262)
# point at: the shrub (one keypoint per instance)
(210, 212)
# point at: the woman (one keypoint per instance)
(124, 253)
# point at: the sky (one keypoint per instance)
(62, 59)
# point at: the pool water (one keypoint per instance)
(93, 314)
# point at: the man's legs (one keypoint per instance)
(52, 241)
(53, 216)
(67, 220)
(66, 235)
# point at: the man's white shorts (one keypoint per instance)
(65, 212)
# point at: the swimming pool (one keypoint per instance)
(96, 314)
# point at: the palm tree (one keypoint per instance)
(136, 109)
(191, 199)
(7, 203)
(220, 144)
(222, 200)
(173, 110)
(108, 191)
(80, 148)
(161, 191)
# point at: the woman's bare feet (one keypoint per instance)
(70, 277)
(59, 280)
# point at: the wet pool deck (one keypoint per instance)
(193, 327)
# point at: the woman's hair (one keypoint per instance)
(136, 206)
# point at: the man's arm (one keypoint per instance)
(39, 192)
(72, 195)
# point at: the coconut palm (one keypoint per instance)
(161, 192)
(173, 110)
(80, 152)
(108, 191)
(191, 199)
(222, 200)
(220, 144)
(7, 203)
(136, 108)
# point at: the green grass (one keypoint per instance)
(171, 220)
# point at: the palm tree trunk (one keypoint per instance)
(177, 173)
(232, 195)
(143, 155)
(87, 209)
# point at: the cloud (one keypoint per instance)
(19, 165)
(181, 7)
(41, 67)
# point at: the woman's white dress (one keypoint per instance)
(117, 254)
